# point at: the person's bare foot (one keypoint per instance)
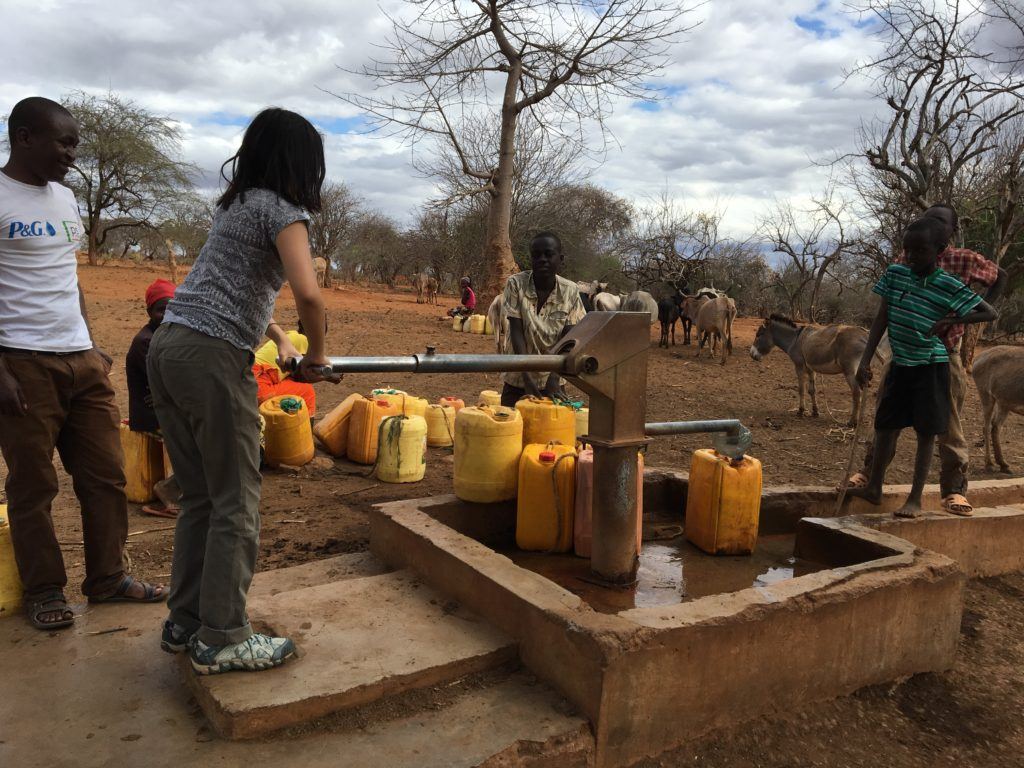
(869, 493)
(911, 508)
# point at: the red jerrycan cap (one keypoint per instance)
(547, 456)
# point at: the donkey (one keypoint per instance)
(830, 349)
(714, 319)
(999, 376)
(498, 319)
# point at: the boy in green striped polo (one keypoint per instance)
(920, 302)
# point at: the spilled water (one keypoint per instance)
(672, 571)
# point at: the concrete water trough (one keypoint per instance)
(826, 606)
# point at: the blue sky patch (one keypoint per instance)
(816, 27)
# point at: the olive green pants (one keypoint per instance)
(205, 398)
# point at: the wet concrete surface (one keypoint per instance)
(671, 571)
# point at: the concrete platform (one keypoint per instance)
(988, 543)
(102, 694)
(651, 678)
(358, 641)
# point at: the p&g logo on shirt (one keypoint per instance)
(31, 229)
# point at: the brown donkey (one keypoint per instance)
(831, 349)
(999, 376)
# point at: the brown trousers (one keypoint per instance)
(71, 408)
(954, 451)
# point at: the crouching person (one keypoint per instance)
(141, 414)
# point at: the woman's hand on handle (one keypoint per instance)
(316, 368)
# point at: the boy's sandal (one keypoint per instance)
(52, 602)
(957, 504)
(858, 480)
(120, 595)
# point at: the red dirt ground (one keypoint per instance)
(321, 510)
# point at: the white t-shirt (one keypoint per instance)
(40, 229)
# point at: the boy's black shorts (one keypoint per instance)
(915, 396)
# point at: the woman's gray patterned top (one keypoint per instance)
(231, 290)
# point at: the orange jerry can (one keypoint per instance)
(332, 430)
(723, 503)
(364, 428)
(143, 464)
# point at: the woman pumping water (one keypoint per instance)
(200, 372)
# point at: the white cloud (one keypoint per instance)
(755, 98)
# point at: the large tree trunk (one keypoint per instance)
(94, 245)
(498, 242)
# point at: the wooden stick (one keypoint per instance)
(108, 631)
(152, 530)
(357, 490)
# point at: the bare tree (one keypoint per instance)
(331, 228)
(947, 91)
(127, 171)
(669, 244)
(813, 242)
(453, 64)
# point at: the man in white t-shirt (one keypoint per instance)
(54, 388)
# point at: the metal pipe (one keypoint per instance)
(433, 363)
(662, 428)
(613, 549)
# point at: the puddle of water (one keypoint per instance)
(672, 572)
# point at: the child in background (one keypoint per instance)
(920, 302)
(468, 300)
(141, 415)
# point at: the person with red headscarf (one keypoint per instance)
(141, 414)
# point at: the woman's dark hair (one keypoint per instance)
(281, 151)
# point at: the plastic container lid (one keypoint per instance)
(290, 404)
(547, 456)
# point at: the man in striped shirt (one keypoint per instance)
(920, 303)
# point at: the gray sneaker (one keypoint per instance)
(256, 653)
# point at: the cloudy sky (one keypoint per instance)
(754, 95)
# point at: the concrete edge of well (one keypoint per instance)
(597, 661)
(783, 505)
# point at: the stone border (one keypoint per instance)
(783, 506)
(650, 679)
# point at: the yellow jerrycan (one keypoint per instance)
(143, 464)
(457, 322)
(488, 328)
(490, 397)
(440, 426)
(332, 430)
(547, 495)
(544, 422)
(582, 422)
(408, 405)
(477, 323)
(289, 437)
(723, 503)
(364, 426)
(488, 442)
(402, 449)
(10, 583)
